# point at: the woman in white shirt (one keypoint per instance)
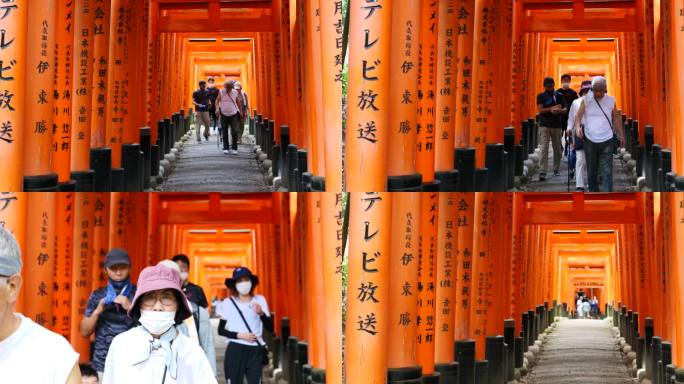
(581, 163)
(244, 316)
(228, 109)
(155, 351)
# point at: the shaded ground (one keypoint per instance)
(204, 168)
(580, 351)
(560, 183)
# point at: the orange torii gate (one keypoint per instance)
(512, 253)
(503, 50)
(100, 92)
(270, 233)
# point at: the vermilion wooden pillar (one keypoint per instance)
(316, 297)
(446, 275)
(368, 302)
(678, 276)
(676, 84)
(403, 279)
(483, 264)
(464, 66)
(13, 218)
(465, 209)
(427, 275)
(368, 109)
(98, 121)
(100, 237)
(331, 65)
(445, 93)
(485, 62)
(13, 95)
(61, 291)
(331, 233)
(117, 220)
(402, 92)
(115, 79)
(81, 269)
(40, 257)
(81, 87)
(38, 107)
(152, 228)
(427, 88)
(61, 137)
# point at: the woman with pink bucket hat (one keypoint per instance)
(155, 351)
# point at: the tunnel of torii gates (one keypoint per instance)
(439, 86)
(427, 271)
(293, 242)
(94, 93)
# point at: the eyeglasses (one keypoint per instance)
(167, 300)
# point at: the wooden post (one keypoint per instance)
(81, 269)
(368, 303)
(98, 121)
(402, 93)
(483, 279)
(367, 114)
(427, 275)
(40, 257)
(81, 87)
(38, 105)
(116, 77)
(464, 264)
(100, 237)
(403, 279)
(61, 293)
(445, 283)
(331, 231)
(13, 94)
(61, 137)
(464, 72)
(445, 105)
(427, 86)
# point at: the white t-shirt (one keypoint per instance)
(228, 103)
(234, 322)
(129, 348)
(596, 125)
(35, 355)
(573, 113)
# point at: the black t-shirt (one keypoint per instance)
(548, 119)
(201, 97)
(195, 293)
(569, 95)
(213, 93)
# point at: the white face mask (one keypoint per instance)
(244, 287)
(184, 275)
(157, 322)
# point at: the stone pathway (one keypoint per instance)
(580, 352)
(204, 168)
(560, 183)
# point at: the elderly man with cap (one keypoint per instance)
(244, 316)
(105, 313)
(155, 351)
(602, 122)
(550, 106)
(29, 353)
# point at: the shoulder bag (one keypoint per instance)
(262, 348)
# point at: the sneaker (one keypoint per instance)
(579, 189)
(572, 174)
(556, 173)
(542, 176)
(225, 151)
(206, 137)
(235, 152)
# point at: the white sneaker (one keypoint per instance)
(235, 152)
(225, 151)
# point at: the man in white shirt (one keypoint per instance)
(29, 353)
(602, 121)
